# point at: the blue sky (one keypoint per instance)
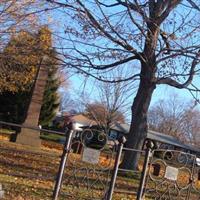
(161, 92)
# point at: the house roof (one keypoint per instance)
(83, 120)
(124, 129)
(161, 137)
(157, 136)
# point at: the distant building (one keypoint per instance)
(162, 140)
(80, 121)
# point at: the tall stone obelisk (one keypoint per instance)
(28, 136)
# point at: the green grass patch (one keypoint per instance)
(52, 137)
(6, 131)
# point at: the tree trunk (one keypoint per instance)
(138, 129)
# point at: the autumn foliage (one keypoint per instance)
(21, 58)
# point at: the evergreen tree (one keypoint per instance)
(13, 106)
(51, 98)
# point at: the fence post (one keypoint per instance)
(66, 150)
(109, 194)
(140, 192)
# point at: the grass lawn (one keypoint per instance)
(52, 137)
(29, 174)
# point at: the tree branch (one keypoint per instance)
(171, 4)
(114, 64)
(134, 22)
(110, 25)
(99, 77)
(135, 7)
(95, 24)
(62, 4)
(176, 84)
(109, 5)
(194, 5)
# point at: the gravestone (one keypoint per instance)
(1, 192)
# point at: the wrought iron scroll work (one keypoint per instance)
(85, 179)
(171, 175)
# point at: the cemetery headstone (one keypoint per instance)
(1, 192)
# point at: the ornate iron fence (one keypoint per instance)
(92, 163)
(89, 169)
(171, 175)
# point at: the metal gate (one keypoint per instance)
(91, 165)
(171, 175)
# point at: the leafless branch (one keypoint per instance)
(171, 82)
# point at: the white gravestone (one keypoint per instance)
(171, 173)
(198, 161)
(1, 192)
(90, 155)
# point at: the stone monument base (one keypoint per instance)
(29, 137)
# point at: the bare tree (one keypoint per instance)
(177, 118)
(105, 118)
(18, 15)
(111, 104)
(192, 127)
(155, 41)
(69, 104)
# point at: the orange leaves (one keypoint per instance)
(45, 38)
(21, 59)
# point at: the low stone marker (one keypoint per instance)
(1, 192)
